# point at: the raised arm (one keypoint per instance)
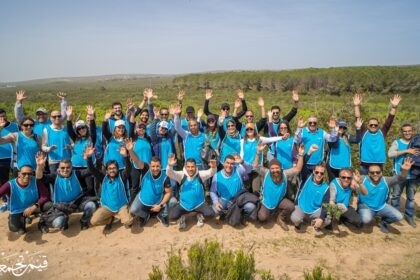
(70, 129)
(175, 111)
(293, 111)
(20, 97)
(63, 104)
(333, 135)
(209, 95)
(241, 97)
(394, 102)
(357, 101)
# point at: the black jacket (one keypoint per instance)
(234, 213)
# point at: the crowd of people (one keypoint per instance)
(151, 162)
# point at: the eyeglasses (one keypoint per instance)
(407, 131)
(65, 167)
(249, 116)
(56, 117)
(26, 174)
(346, 178)
(249, 129)
(282, 127)
(312, 123)
(342, 127)
(82, 127)
(373, 125)
(319, 172)
(28, 125)
(210, 121)
(225, 109)
(164, 114)
(111, 168)
(276, 113)
(375, 172)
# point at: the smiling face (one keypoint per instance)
(373, 125)
(276, 114)
(25, 174)
(283, 129)
(191, 168)
(141, 131)
(144, 117)
(64, 169)
(375, 173)
(112, 170)
(117, 110)
(249, 117)
(27, 127)
(56, 117)
(276, 173)
(407, 132)
(228, 165)
(318, 174)
(155, 167)
(82, 131)
(312, 123)
(231, 127)
(41, 117)
(120, 130)
(193, 126)
(164, 114)
(345, 178)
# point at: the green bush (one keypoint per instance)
(210, 261)
(317, 273)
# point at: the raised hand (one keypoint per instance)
(130, 103)
(356, 176)
(40, 158)
(209, 94)
(358, 123)
(181, 96)
(240, 94)
(172, 160)
(62, 96)
(238, 103)
(69, 112)
(156, 111)
(53, 147)
(332, 123)
(413, 151)
(395, 100)
(286, 136)
(129, 145)
(90, 110)
(123, 151)
(108, 114)
(408, 162)
(200, 113)
(238, 159)
(222, 117)
(213, 163)
(313, 148)
(261, 147)
(260, 101)
(301, 149)
(270, 115)
(301, 122)
(295, 96)
(89, 151)
(20, 96)
(357, 99)
(148, 93)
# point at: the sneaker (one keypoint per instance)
(108, 226)
(383, 227)
(410, 221)
(282, 224)
(200, 220)
(84, 225)
(181, 222)
(164, 221)
(297, 227)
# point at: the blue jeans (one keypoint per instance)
(88, 210)
(388, 214)
(410, 193)
(137, 208)
(226, 204)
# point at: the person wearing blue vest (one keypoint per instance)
(193, 139)
(192, 196)
(115, 141)
(227, 184)
(231, 138)
(41, 114)
(339, 152)
(275, 111)
(26, 196)
(114, 192)
(56, 141)
(274, 187)
(113, 116)
(375, 202)
(6, 149)
(312, 193)
(372, 147)
(225, 108)
(154, 195)
(283, 150)
(341, 189)
(69, 191)
(26, 142)
(143, 150)
(212, 133)
(312, 134)
(144, 112)
(249, 118)
(398, 151)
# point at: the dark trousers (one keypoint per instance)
(332, 172)
(4, 170)
(135, 182)
(284, 209)
(204, 209)
(18, 221)
(351, 217)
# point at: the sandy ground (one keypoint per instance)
(130, 253)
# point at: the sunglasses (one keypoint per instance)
(249, 129)
(276, 113)
(65, 167)
(342, 127)
(319, 172)
(210, 121)
(249, 116)
(164, 114)
(373, 125)
(375, 172)
(346, 178)
(225, 109)
(28, 125)
(312, 123)
(26, 174)
(56, 117)
(82, 127)
(230, 125)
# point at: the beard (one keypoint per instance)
(276, 176)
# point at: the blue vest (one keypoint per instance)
(273, 193)
(6, 150)
(214, 141)
(311, 196)
(152, 189)
(39, 127)
(340, 157)
(143, 150)
(112, 121)
(66, 189)
(113, 194)
(372, 148)
(228, 187)
(99, 148)
(165, 151)
(193, 145)
(79, 147)
(309, 138)
(26, 149)
(184, 124)
(250, 149)
(400, 159)
(284, 152)
(377, 195)
(243, 129)
(148, 129)
(191, 194)
(112, 152)
(230, 146)
(343, 195)
(61, 139)
(22, 198)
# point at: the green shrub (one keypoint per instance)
(317, 273)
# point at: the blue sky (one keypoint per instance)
(42, 39)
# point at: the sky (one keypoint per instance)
(45, 39)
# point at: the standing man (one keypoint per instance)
(398, 151)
